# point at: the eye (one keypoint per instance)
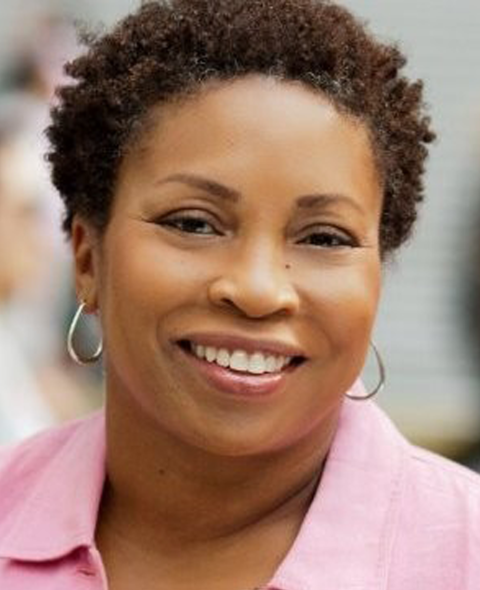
(189, 224)
(329, 238)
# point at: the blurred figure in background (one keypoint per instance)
(22, 253)
(43, 48)
(30, 82)
(37, 385)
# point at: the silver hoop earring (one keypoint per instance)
(381, 381)
(71, 335)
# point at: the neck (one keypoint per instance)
(168, 493)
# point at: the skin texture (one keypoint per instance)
(261, 266)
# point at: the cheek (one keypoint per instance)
(144, 285)
(343, 301)
(148, 281)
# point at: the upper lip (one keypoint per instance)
(250, 345)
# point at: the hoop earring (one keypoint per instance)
(70, 346)
(382, 378)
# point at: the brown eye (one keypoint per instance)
(189, 225)
(328, 239)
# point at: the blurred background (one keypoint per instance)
(429, 325)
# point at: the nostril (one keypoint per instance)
(228, 302)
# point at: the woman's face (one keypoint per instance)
(245, 227)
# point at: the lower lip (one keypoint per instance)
(236, 383)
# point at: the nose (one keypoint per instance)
(257, 283)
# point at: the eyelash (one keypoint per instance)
(177, 222)
(329, 237)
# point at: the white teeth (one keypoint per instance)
(210, 354)
(271, 364)
(239, 361)
(256, 363)
(223, 357)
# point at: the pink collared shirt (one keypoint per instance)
(386, 515)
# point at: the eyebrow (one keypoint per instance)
(230, 194)
(326, 200)
(204, 184)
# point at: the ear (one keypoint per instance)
(86, 252)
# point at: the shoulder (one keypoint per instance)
(439, 485)
(41, 448)
(441, 472)
(432, 525)
(437, 532)
(42, 460)
(431, 483)
(425, 472)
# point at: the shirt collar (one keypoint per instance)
(56, 506)
(345, 539)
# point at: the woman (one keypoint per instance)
(234, 173)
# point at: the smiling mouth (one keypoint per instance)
(241, 362)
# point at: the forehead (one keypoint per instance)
(255, 123)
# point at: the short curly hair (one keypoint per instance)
(170, 47)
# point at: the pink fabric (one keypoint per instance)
(386, 515)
